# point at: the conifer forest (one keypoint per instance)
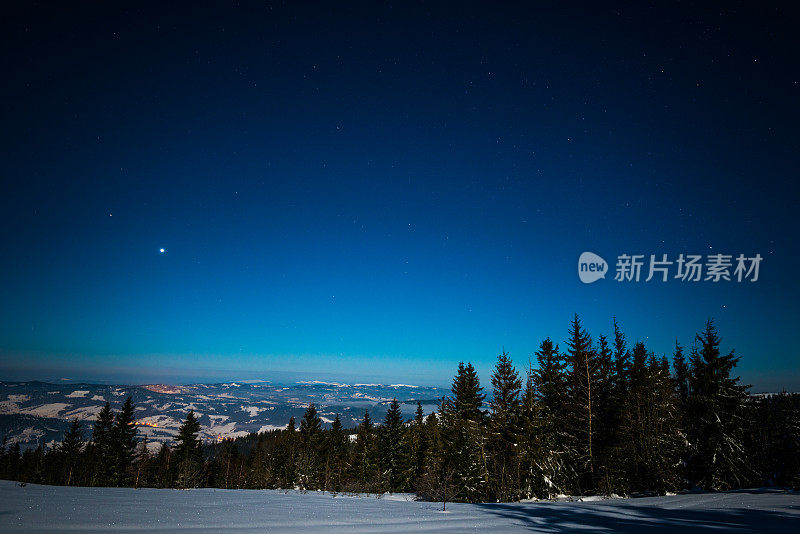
(586, 416)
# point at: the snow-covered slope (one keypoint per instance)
(49, 508)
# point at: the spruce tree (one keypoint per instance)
(504, 429)
(187, 443)
(669, 445)
(439, 479)
(464, 437)
(124, 439)
(414, 450)
(608, 419)
(547, 444)
(612, 477)
(468, 396)
(652, 430)
(681, 374)
(162, 466)
(287, 451)
(188, 453)
(309, 465)
(363, 462)
(258, 464)
(531, 430)
(695, 369)
(310, 425)
(681, 390)
(621, 358)
(142, 465)
(70, 449)
(774, 439)
(13, 461)
(635, 420)
(717, 406)
(335, 456)
(391, 438)
(583, 388)
(549, 379)
(227, 461)
(102, 453)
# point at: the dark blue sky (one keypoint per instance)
(376, 193)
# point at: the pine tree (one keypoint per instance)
(612, 477)
(391, 438)
(142, 465)
(717, 406)
(787, 449)
(549, 379)
(681, 389)
(681, 375)
(363, 462)
(414, 450)
(32, 466)
(187, 443)
(774, 439)
(547, 444)
(12, 462)
(583, 389)
(102, 453)
(439, 478)
(531, 438)
(635, 419)
(608, 419)
(162, 467)
(652, 431)
(188, 453)
(227, 461)
(695, 369)
(504, 429)
(335, 456)
(286, 456)
(124, 439)
(669, 443)
(468, 394)
(258, 464)
(310, 425)
(621, 357)
(309, 464)
(71, 448)
(464, 437)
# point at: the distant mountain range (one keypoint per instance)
(34, 413)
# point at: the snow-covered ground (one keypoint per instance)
(47, 508)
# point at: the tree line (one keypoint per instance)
(591, 417)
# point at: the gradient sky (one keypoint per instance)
(376, 193)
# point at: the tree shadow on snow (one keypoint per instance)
(547, 517)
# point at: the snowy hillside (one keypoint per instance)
(38, 412)
(51, 508)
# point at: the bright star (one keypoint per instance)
(161, 250)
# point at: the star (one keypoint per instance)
(162, 250)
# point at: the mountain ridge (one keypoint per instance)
(37, 412)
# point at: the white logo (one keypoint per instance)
(591, 267)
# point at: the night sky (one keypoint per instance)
(361, 192)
